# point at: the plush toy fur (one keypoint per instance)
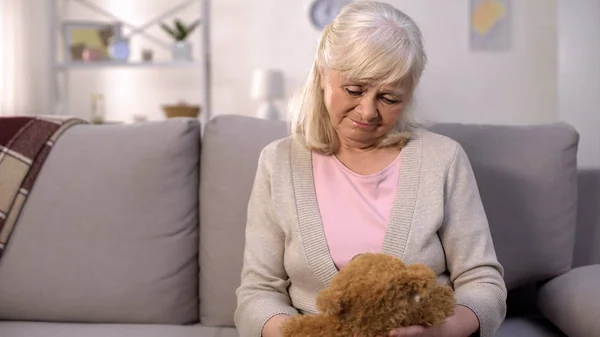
(372, 295)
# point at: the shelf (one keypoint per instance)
(61, 65)
(121, 64)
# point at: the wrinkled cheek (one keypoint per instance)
(336, 116)
(400, 111)
(394, 116)
(330, 111)
(336, 121)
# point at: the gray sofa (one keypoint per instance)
(137, 230)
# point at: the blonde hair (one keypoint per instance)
(366, 41)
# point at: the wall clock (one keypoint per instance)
(322, 12)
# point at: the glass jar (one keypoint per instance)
(98, 109)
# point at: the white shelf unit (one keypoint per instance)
(110, 64)
(60, 66)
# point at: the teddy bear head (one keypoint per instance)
(375, 293)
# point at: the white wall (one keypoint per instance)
(516, 87)
(579, 76)
(23, 50)
(258, 34)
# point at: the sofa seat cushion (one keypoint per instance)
(527, 327)
(34, 329)
(109, 233)
(572, 301)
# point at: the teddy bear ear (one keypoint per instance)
(355, 256)
(330, 302)
(421, 271)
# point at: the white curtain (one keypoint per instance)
(23, 57)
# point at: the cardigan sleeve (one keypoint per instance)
(264, 282)
(475, 272)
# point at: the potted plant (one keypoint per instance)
(182, 50)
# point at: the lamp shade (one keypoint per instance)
(267, 84)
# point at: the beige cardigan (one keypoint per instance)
(437, 219)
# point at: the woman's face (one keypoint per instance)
(361, 112)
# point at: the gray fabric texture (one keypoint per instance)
(109, 233)
(230, 149)
(528, 327)
(572, 301)
(527, 176)
(34, 329)
(587, 247)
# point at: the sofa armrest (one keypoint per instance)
(572, 301)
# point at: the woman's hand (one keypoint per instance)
(464, 323)
(419, 331)
(273, 326)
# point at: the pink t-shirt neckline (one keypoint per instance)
(393, 165)
(355, 209)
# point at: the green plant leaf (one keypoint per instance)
(168, 30)
(193, 26)
(180, 26)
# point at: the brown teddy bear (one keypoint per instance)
(372, 295)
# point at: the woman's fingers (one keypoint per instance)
(411, 331)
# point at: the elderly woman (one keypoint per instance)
(357, 175)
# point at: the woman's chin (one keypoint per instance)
(359, 139)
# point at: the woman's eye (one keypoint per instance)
(390, 100)
(352, 92)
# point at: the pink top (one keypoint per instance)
(355, 209)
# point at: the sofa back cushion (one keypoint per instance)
(527, 177)
(230, 149)
(587, 242)
(109, 232)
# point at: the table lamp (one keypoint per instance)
(268, 86)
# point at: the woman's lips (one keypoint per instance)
(360, 125)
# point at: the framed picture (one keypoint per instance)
(89, 41)
(490, 25)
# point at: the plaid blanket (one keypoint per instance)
(24, 146)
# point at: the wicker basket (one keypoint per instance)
(173, 111)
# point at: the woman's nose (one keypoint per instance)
(368, 109)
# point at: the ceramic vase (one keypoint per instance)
(119, 49)
(182, 51)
